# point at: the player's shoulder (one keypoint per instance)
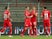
(33, 10)
(6, 11)
(49, 10)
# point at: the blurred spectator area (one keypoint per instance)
(17, 8)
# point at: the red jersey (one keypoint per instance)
(34, 18)
(46, 14)
(27, 13)
(7, 12)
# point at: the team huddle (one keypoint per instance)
(30, 21)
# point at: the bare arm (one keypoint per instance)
(36, 14)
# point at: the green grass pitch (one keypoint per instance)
(25, 37)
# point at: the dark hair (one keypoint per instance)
(26, 6)
(45, 7)
(6, 7)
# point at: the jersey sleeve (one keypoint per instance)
(49, 14)
(36, 12)
(26, 13)
(6, 12)
(32, 13)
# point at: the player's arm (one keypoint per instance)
(50, 13)
(29, 16)
(42, 14)
(9, 18)
(35, 13)
(26, 14)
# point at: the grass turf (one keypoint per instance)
(25, 37)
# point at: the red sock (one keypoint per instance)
(31, 32)
(10, 32)
(3, 29)
(48, 30)
(34, 31)
(45, 29)
(23, 31)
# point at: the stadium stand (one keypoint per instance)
(17, 8)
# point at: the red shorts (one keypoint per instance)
(34, 22)
(7, 23)
(47, 23)
(28, 23)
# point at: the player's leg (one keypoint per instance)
(48, 31)
(30, 26)
(24, 30)
(45, 28)
(35, 28)
(4, 28)
(10, 29)
(31, 30)
(26, 26)
(48, 28)
(10, 32)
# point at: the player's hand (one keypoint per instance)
(10, 19)
(31, 16)
(36, 14)
(28, 17)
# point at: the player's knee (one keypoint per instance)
(26, 28)
(4, 28)
(34, 23)
(30, 27)
(48, 27)
(10, 27)
(34, 26)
